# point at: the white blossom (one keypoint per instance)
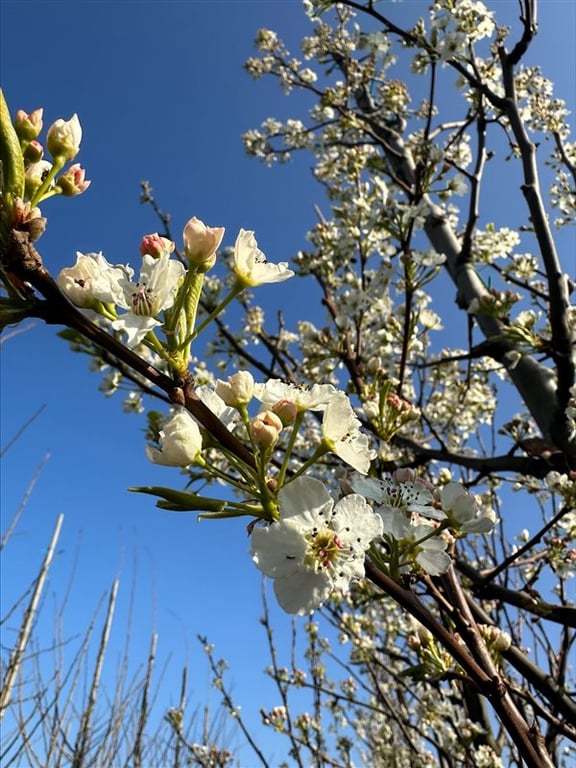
(463, 512)
(316, 547)
(250, 264)
(88, 279)
(180, 441)
(154, 292)
(404, 492)
(237, 390)
(315, 398)
(342, 436)
(428, 551)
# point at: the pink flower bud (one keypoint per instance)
(72, 182)
(287, 411)
(155, 245)
(28, 126)
(63, 138)
(33, 152)
(265, 429)
(201, 242)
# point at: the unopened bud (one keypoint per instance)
(33, 152)
(155, 245)
(73, 182)
(287, 411)
(63, 138)
(265, 429)
(201, 242)
(237, 390)
(28, 126)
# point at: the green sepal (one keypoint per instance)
(11, 158)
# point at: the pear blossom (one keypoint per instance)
(63, 138)
(88, 279)
(403, 491)
(155, 291)
(180, 441)
(316, 398)
(416, 543)
(463, 512)
(342, 436)
(33, 152)
(250, 264)
(35, 174)
(286, 412)
(316, 547)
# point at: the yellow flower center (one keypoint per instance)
(143, 301)
(324, 548)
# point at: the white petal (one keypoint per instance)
(357, 459)
(135, 326)
(434, 562)
(305, 498)
(278, 550)
(250, 264)
(451, 494)
(304, 592)
(370, 487)
(481, 524)
(314, 399)
(339, 419)
(356, 522)
(162, 276)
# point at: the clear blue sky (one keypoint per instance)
(161, 94)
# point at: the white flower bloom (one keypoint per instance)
(342, 436)
(180, 441)
(250, 264)
(462, 510)
(155, 291)
(88, 278)
(314, 399)
(404, 491)
(430, 554)
(316, 547)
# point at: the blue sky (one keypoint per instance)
(161, 94)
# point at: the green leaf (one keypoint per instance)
(181, 501)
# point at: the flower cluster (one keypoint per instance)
(166, 293)
(419, 521)
(63, 144)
